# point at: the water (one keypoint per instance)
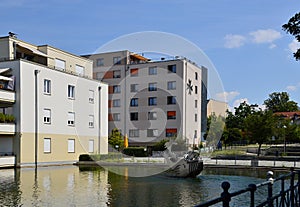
(71, 186)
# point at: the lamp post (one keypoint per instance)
(284, 140)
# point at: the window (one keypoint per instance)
(116, 89)
(116, 117)
(171, 132)
(71, 145)
(116, 103)
(134, 116)
(133, 133)
(196, 103)
(91, 96)
(117, 60)
(171, 100)
(152, 132)
(99, 75)
(47, 116)
(171, 115)
(134, 72)
(172, 85)
(79, 70)
(134, 102)
(196, 89)
(152, 87)
(117, 74)
(91, 121)
(152, 101)
(60, 64)
(152, 115)
(195, 135)
(71, 118)
(91, 146)
(196, 76)
(47, 145)
(172, 68)
(71, 91)
(152, 70)
(196, 117)
(47, 86)
(100, 62)
(134, 87)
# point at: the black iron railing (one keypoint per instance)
(288, 196)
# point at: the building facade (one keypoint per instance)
(60, 111)
(153, 100)
(216, 107)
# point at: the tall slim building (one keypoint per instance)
(153, 100)
(60, 111)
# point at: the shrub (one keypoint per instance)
(2, 118)
(135, 151)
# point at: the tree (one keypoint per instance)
(260, 127)
(293, 27)
(115, 139)
(280, 102)
(215, 127)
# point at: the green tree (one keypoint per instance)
(260, 127)
(115, 139)
(293, 27)
(215, 127)
(280, 102)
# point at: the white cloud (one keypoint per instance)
(291, 88)
(265, 36)
(272, 46)
(227, 96)
(294, 45)
(234, 41)
(237, 102)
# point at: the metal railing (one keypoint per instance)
(286, 197)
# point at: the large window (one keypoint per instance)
(133, 133)
(116, 89)
(134, 72)
(60, 64)
(117, 74)
(79, 69)
(171, 115)
(152, 101)
(47, 86)
(134, 116)
(152, 70)
(172, 85)
(100, 62)
(116, 103)
(91, 146)
(152, 87)
(134, 87)
(134, 102)
(152, 132)
(116, 117)
(91, 121)
(91, 96)
(71, 145)
(71, 91)
(172, 68)
(152, 115)
(171, 132)
(117, 60)
(71, 118)
(47, 145)
(171, 100)
(47, 116)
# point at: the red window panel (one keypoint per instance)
(108, 75)
(134, 71)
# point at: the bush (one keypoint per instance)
(2, 118)
(135, 151)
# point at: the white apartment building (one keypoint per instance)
(60, 111)
(153, 100)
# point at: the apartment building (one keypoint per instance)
(60, 111)
(151, 100)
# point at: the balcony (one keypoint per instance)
(7, 128)
(7, 161)
(7, 96)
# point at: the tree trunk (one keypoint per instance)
(258, 151)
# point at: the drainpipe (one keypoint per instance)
(99, 119)
(36, 118)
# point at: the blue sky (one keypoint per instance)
(243, 39)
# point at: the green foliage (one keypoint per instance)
(116, 139)
(280, 102)
(179, 144)
(160, 146)
(215, 127)
(6, 118)
(135, 151)
(293, 27)
(98, 157)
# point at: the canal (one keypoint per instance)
(95, 186)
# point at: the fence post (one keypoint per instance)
(225, 195)
(270, 188)
(252, 190)
(292, 198)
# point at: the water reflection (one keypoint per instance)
(74, 186)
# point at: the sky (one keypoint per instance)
(244, 40)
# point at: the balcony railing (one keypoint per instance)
(7, 128)
(7, 161)
(7, 96)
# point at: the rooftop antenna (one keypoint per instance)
(11, 34)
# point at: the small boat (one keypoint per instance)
(190, 165)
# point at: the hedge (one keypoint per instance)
(135, 151)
